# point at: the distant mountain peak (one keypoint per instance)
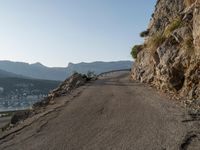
(70, 64)
(38, 64)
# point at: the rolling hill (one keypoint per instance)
(36, 70)
(4, 74)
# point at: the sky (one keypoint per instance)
(56, 32)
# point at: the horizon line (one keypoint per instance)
(37, 62)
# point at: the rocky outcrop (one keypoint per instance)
(170, 58)
(71, 83)
(19, 116)
(68, 85)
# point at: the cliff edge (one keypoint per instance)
(169, 58)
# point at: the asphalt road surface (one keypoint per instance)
(4, 121)
(112, 113)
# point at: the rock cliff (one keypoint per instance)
(169, 58)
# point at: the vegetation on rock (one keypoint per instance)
(173, 25)
(155, 41)
(144, 33)
(188, 45)
(173, 40)
(135, 50)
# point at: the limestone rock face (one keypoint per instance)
(164, 11)
(196, 29)
(170, 58)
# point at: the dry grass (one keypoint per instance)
(155, 41)
(175, 24)
(188, 45)
(158, 38)
(188, 3)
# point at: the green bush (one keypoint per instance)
(135, 50)
(144, 33)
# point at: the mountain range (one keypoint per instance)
(5, 74)
(39, 71)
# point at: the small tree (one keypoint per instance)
(144, 33)
(135, 50)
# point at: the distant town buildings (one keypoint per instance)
(19, 100)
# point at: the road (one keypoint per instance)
(113, 113)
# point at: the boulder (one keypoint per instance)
(20, 116)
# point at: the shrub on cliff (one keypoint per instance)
(144, 33)
(155, 41)
(135, 50)
(158, 38)
(173, 25)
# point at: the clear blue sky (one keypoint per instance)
(55, 32)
